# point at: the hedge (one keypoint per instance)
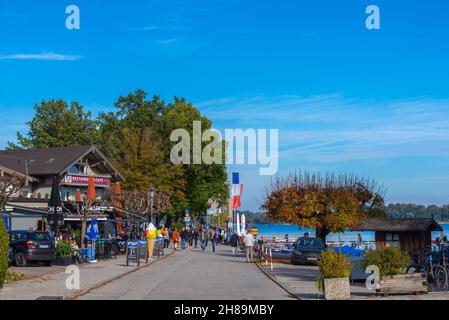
(4, 252)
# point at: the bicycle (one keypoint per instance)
(436, 274)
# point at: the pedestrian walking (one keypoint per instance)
(203, 239)
(166, 237)
(175, 238)
(213, 239)
(234, 243)
(170, 236)
(190, 237)
(195, 236)
(183, 239)
(249, 244)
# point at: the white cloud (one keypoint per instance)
(166, 42)
(333, 128)
(149, 28)
(51, 56)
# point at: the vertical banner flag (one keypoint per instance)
(237, 189)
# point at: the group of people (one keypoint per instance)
(190, 237)
(204, 235)
(248, 240)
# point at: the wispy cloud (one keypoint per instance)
(166, 42)
(50, 56)
(149, 28)
(334, 128)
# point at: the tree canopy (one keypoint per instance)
(58, 124)
(136, 139)
(329, 203)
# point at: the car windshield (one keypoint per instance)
(315, 243)
(40, 236)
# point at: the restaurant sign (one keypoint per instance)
(84, 180)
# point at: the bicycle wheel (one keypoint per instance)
(440, 278)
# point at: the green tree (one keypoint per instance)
(203, 181)
(136, 137)
(57, 124)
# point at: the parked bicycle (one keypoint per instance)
(436, 273)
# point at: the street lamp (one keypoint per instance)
(152, 192)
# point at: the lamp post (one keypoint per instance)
(152, 192)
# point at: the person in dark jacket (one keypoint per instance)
(234, 241)
(183, 239)
(190, 238)
(196, 234)
(213, 238)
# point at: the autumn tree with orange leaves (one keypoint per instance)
(327, 203)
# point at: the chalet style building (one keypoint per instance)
(71, 165)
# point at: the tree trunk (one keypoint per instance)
(322, 233)
(83, 231)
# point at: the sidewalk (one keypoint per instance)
(50, 283)
(300, 280)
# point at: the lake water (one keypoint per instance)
(348, 238)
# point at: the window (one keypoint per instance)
(311, 243)
(40, 236)
(392, 240)
(17, 236)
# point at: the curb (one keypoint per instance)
(272, 278)
(105, 282)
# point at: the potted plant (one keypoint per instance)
(63, 253)
(335, 269)
(392, 262)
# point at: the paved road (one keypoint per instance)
(193, 275)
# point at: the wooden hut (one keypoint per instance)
(411, 235)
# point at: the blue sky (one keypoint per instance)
(344, 98)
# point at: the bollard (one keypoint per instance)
(271, 260)
(266, 256)
(146, 253)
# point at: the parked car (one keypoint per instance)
(306, 251)
(32, 246)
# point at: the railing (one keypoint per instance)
(264, 254)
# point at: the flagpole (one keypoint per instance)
(231, 201)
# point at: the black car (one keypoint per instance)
(32, 246)
(306, 251)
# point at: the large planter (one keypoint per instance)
(63, 261)
(337, 289)
(402, 284)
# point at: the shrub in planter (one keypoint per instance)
(63, 249)
(335, 269)
(4, 252)
(63, 253)
(390, 260)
